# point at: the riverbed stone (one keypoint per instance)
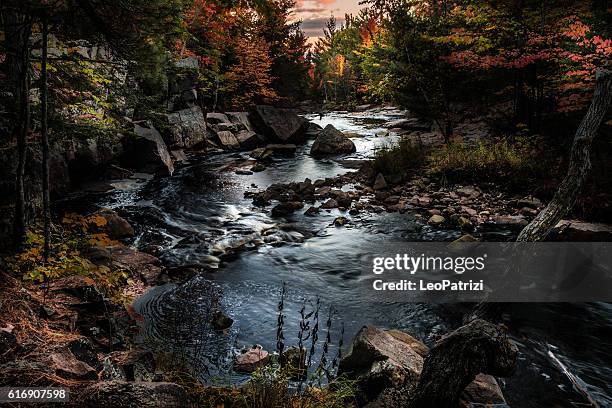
(379, 183)
(228, 140)
(332, 141)
(581, 231)
(250, 360)
(116, 226)
(148, 151)
(436, 220)
(330, 203)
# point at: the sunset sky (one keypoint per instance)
(314, 14)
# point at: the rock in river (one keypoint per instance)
(332, 141)
(251, 359)
(282, 125)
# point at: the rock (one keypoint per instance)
(332, 141)
(283, 209)
(510, 221)
(530, 202)
(340, 221)
(380, 183)
(465, 238)
(484, 391)
(66, 365)
(149, 151)
(244, 172)
(258, 167)
(331, 203)
(313, 130)
(455, 361)
(250, 360)
(227, 127)
(468, 191)
(114, 172)
(187, 127)
(122, 394)
(382, 133)
(362, 108)
(141, 265)
(131, 365)
(84, 350)
(378, 360)
(228, 140)
(282, 149)
(436, 220)
(249, 139)
(214, 118)
(240, 118)
(282, 125)
(221, 321)
(81, 287)
(410, 124)
(416, 345)
(469, 211)
(312, 211)
(261, 153)
(575, 230)
(116, 226)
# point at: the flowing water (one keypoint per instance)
(200, 214)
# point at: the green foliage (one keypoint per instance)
(398, 160)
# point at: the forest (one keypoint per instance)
(191, 191)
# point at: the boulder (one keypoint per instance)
(214, 118)
(515, 222)
(221, 321)
(116, 227)
(123, 394)
(484, 390)
(283, 209)
(331, 203)
(378, 360)
(313, 130)
(227, 127)
(250, 360)
(66, 365)
(187, 127)
(436, 220)
(529, 202)
(131, 365)
(380, 183)
(281, 125)
(575, 230)
(149, 151)
(332, 141)
(240, 118)
(249, 139)
(141, 265)
(228, 140)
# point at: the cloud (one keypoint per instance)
(311, 10)
(313, 27)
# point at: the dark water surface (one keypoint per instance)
(200, 214)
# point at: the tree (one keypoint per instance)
(579, 166)
(249, 80)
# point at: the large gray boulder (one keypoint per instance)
(281, 125)
(187, 127)
(249, 139)
(148, 151)
(331, 141)
(123, 394)
(240, 118)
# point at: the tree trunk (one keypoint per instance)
(454, 362)
(44, 134)
(579, 166)
(19, 29)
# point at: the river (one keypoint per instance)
(200, 214)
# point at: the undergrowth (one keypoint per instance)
(516, 160)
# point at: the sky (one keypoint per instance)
(314, 14)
